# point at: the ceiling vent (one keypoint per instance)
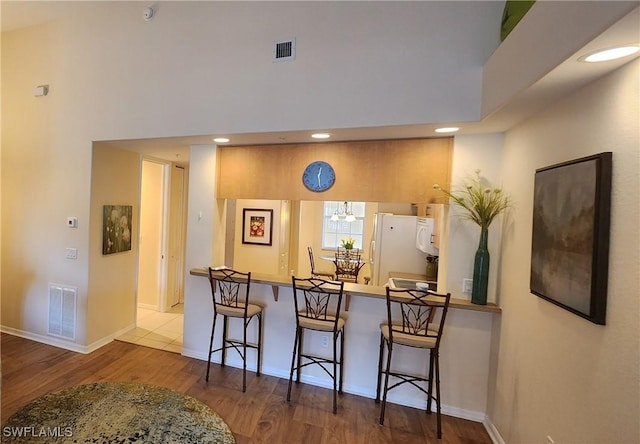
(285, 50)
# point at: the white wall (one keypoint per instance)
(558, 374)
(204, 215)
(470, 153)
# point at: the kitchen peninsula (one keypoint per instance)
(229, 182)
(363, 290)
(465, 349)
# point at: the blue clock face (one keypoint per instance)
(318, 176)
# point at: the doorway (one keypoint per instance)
(162, 235)
(161, 256)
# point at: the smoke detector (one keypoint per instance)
(148, 13)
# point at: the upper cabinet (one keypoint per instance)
(370, 171)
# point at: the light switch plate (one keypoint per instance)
(71, 253)
(467, 285)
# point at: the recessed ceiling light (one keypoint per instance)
(610, 54)
(221, 140)
(450, 129)
(321, 135)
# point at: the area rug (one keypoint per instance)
(116, 412)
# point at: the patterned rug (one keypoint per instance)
(116, 412)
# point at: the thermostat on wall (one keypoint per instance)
(72, 222)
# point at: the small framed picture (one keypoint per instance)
(116, 228)
(257, 226)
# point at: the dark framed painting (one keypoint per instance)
(257, 226)
(570, 243)
(116, 228)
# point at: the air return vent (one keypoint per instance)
(284, 50)
(62, 311)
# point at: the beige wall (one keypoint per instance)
(258, 258)
(111, 303)
(373, 170)
(558, 374)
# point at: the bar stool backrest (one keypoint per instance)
(230, 285)
(412, 312)
(317, 300)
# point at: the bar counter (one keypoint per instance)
(465, 352)
(352, 289)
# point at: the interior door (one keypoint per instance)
(175, 284)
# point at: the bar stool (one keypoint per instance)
(317, 304)
(410, 323)
(231, 304)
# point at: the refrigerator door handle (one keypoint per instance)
(372, 248)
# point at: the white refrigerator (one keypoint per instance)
(393, 247)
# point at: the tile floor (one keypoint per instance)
(158, 330)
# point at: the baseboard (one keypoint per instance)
(154, 307)
(61, 343)
(495, 436)
(365, 392)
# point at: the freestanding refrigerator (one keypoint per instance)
(393, 247)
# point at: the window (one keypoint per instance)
(335, 230)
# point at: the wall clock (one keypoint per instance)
(318, 176)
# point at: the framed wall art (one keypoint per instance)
(257, 226)
(570, 243)
(116, 228)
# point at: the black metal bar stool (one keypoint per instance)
(317, 304)
(410, 323)
(230, 303)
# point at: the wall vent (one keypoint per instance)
(62, 311)
(285, 50)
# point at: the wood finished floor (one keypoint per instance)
(262, 414)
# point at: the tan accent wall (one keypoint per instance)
(370, 171)
(115, 180)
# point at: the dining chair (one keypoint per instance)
(317, 307)
(348, 264)
(230, 301)
(315, 272)
(410, 323)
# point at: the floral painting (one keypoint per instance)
(257, 226)
(116, 228)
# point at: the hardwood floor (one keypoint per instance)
(262, 414)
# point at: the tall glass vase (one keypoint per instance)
(481, 270)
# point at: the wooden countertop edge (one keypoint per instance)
(355, 290)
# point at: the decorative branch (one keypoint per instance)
(481, 204)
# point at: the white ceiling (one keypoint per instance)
(563, 80)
